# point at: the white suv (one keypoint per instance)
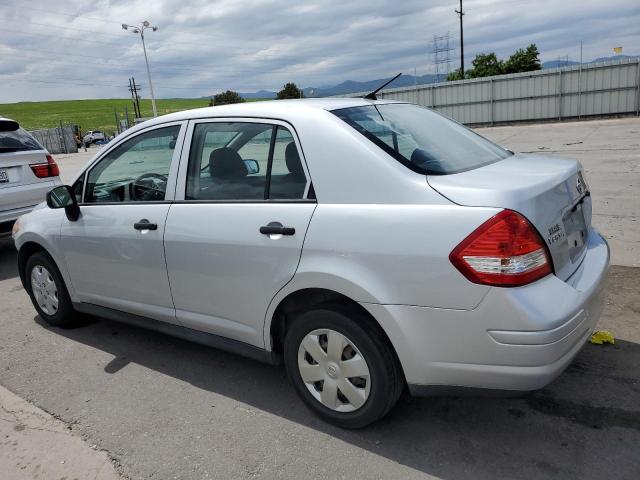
(93, 136)
(367, 244)
(27, 173)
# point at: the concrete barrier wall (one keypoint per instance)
(607, 88)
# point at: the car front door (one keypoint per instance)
(234, 234)
(114, 251)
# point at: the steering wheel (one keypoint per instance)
(149, 187)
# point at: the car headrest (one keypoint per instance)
(226, 163)
(291, 156)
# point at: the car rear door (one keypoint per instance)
(234, 235)
(114, 251)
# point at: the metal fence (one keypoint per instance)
(608, 88)
(57, 140)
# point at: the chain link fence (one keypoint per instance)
(61, 139)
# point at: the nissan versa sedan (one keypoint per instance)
(370, 246)
(27, 173)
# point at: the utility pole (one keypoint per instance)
(133, 88)
(140, 30)
(460, 14)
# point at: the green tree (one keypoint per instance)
(455, 75)
(290, 90)
(227, 97)
(485, 65)
(523, 60)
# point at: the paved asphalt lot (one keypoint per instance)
(164, 408)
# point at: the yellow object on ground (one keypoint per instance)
(602, 336)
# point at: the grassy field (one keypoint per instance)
(89, 114)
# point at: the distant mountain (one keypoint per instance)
(569, 63)
(352, 86)
(559, 63)
(259, 94)
(615, 57)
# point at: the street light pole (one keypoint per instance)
(140, 30)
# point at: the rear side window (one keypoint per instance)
(17, 140)
(422, 139)
(241, 161)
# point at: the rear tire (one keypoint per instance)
(351, 375)
(47, 291)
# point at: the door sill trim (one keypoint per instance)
(189, 334)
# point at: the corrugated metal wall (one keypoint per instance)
(572, 92)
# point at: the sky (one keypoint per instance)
(77, 49)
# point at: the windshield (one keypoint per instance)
(17, 140)
(422, 139)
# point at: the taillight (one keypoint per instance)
(504, 251)
(44, 170)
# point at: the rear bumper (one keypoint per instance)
(8, 218)
(16, 200)
(515, 339)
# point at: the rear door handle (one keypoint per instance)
(276, 228)
(144, 224)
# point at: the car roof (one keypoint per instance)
(280, 109)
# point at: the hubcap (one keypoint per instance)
(333, 370)
(44, 290)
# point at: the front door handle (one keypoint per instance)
(144, 224)
(276, 228)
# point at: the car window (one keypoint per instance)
(17, 141)
(422, 139)
(233, 161)
(288, 180)
(228, 161)
(135, 171)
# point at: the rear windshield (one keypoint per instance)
(17, 140)
(422, 139)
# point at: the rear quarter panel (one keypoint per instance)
(394, 254)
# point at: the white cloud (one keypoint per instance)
(79, 49)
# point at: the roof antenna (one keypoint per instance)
(372, 95)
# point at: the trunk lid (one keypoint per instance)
(16, 170)
(550, 192)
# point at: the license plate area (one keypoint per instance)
(575, 228)
(4, 176)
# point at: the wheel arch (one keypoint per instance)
(25, 251)
(33, 245)
(303, 299)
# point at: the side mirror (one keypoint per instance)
(63, 197)
(252, 166)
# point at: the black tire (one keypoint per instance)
(65, 315)
(387, 380)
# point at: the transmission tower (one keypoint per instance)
(442, 55)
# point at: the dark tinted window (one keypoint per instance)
(422, 139)
(17, 140)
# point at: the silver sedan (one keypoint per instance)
(367, 245)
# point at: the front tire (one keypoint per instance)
(47, 290)
(341, 366)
